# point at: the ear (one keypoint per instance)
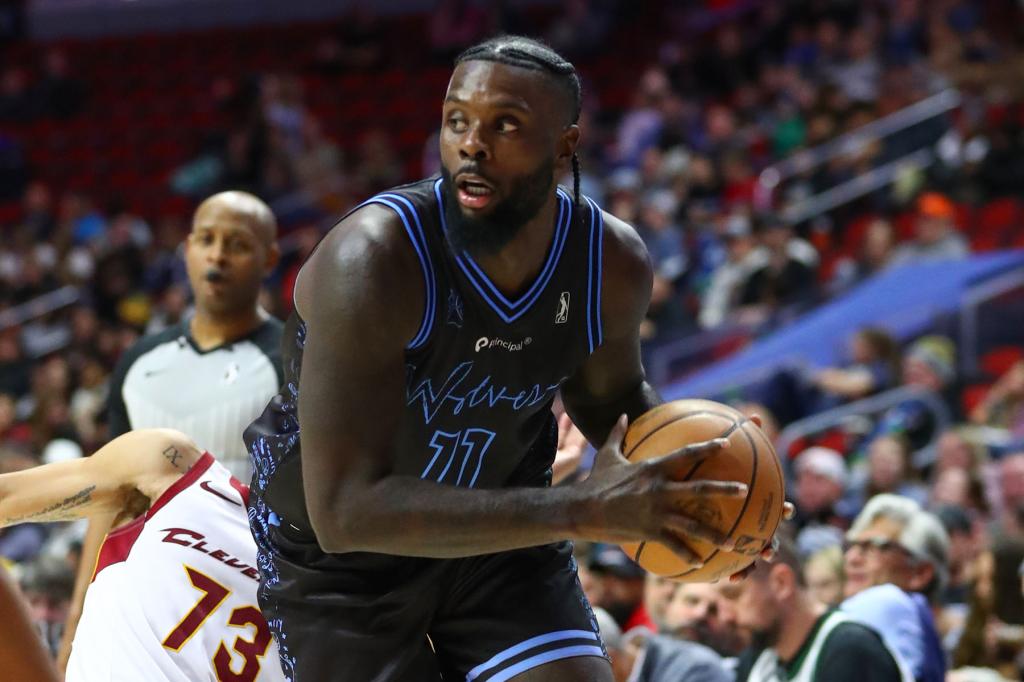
(567, 144)
(273, 257)
(782, 581)
(920, 575)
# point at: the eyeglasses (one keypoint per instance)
(878, 545)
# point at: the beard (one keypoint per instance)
(767, 636)
(490, 233)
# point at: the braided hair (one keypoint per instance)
(528, 53)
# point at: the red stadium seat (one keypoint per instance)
(997, 361)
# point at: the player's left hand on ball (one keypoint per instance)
(768, 553)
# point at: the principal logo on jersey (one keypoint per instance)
(484, 343)
(562, 316)
(454, 309)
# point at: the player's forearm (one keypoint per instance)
(406, 516)
(595, 418)
(15, 509)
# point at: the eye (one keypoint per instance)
(508, 124)
(456, 123)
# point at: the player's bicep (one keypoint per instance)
(359, 299)
(615, 368)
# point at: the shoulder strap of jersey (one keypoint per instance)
(410, 217)
(595, 253)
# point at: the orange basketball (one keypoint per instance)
(750, 458)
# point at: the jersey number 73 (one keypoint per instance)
(251, 650)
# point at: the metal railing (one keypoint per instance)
(970, 312)
(41, 305)
(772, 177)
(874, 405)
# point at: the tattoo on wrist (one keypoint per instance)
(58, 511)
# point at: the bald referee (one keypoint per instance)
(211, 374)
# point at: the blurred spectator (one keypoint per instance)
(59, 93)
(455, 25)
(358, 43)
(876, 253)
(936, 238)
(582, 28)
(791, 632)
(784, 280)
(658, 594)
(889, 470)
(897, 564)
(992, 635)
(16, 102)
(694, 614)
(47, 584)
(929, 363)
(641, 656)
(640, 126)
(825, 577)
(821, 480)
(1003, 404)
(621, 591)
(378, 164)
(1011, 493)
(21, 543)
(664, 243)
(729, 279)
(964, 542)
(37, 210)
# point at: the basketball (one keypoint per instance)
(750, 522)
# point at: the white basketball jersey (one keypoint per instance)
(174, 593)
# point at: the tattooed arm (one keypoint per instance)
(142, 463)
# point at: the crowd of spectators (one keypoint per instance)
(732, 89)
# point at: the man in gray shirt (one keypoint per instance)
(641, 656)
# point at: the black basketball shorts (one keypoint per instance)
(362, 617)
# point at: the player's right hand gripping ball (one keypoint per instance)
(749, 522)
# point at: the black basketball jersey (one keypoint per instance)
(481, 370)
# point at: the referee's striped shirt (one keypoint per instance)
(166, 381)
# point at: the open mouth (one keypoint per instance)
(473, 191)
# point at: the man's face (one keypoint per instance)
(658, 593)
(875, 557)
(932, 229)
(503, 141)
(695, 613)
(1011, 480)
(753, 611)
(226, 260)
(815, 492)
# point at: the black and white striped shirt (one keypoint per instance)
(166, 381)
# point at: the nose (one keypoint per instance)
(473, 146)
(217, 253)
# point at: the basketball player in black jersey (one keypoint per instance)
(416, 537)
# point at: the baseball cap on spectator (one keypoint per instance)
(824, 462)
(935, 205)
(938, 353)
(611, 560)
